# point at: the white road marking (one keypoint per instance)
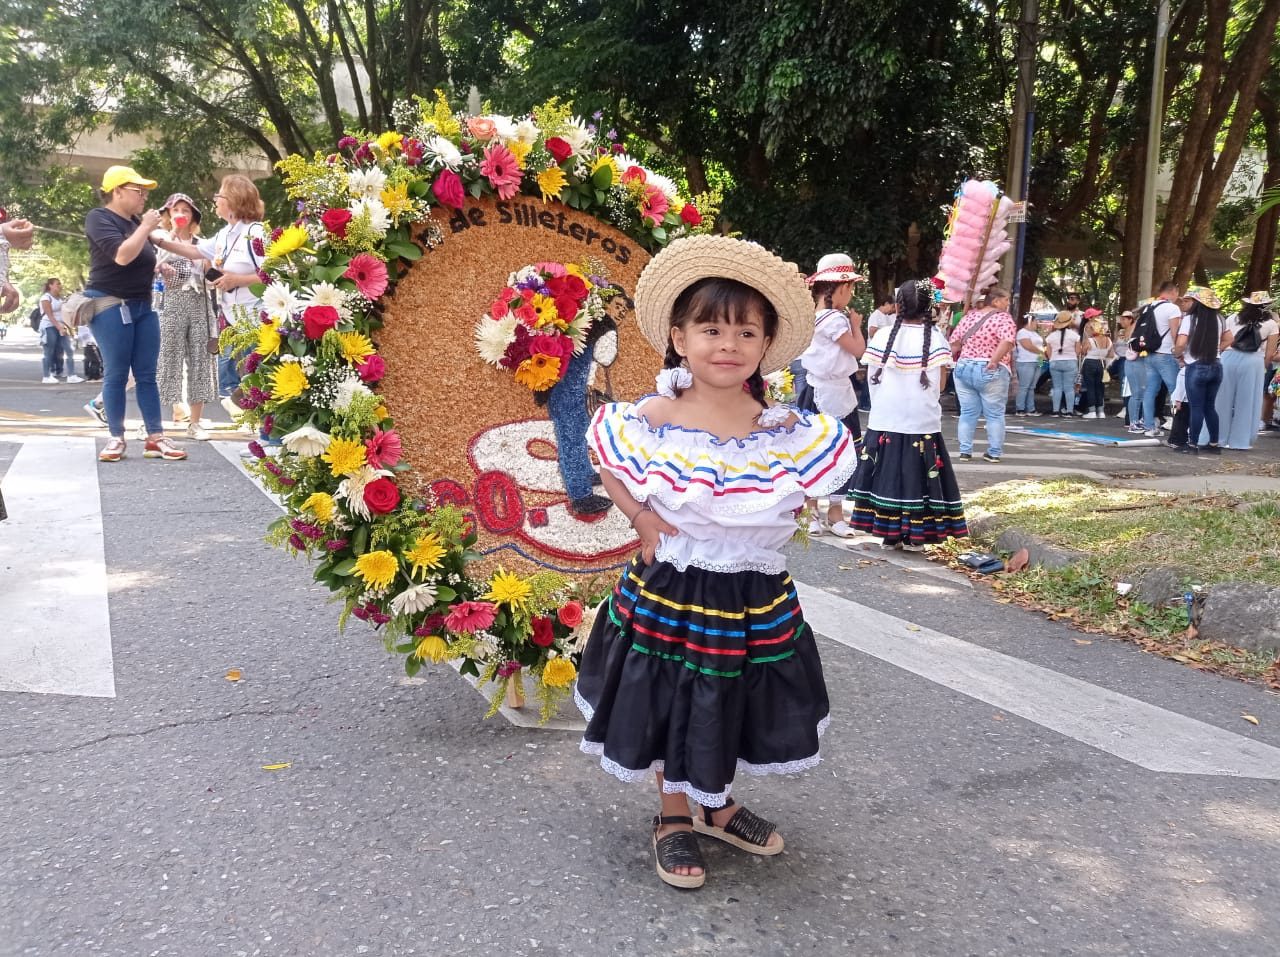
(1137, 732)
(56, 636)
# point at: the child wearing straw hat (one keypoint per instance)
(701, 664)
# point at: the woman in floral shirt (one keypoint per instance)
(981, 344)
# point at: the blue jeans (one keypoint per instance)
(567, 406)
(129, 346)
(1063, 373)
(1135, 374)
(49, 358)
(1161, 367)
(1028, 373)
(980, 391)
(1203, 380)
(228, 374)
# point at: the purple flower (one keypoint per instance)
(336, 544)
(300, 205)
(256, 450)
(597, 115)
(265, 277)
(378, 617)
(611, 135)
(347, 142)
(271, 467)
(268, 423)
(297, 544)
(258, 248)
(360, 612)
(251, 363)
(288, 482)
(363, 154)
(507, 669)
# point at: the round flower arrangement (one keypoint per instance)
(311, 372)
(539, 320)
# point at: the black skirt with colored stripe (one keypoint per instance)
(699, 674)
(905, 489)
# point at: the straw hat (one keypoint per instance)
(834, 267)
(687, 260)
(1259, 298)
(1204, 295)
(1063, 319)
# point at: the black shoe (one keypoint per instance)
(590, 505)
(1176, 446)
(967, 456)
(988, 457)
(1186, 449)
(1209, 449)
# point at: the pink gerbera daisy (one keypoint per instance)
(470, 616)
(383, 449)
(369, 273)
(499, 166)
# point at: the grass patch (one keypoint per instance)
(1213, 538)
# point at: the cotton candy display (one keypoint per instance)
(976, 240)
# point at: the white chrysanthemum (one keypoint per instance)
(576, 135)
(374, 212)
(279, 302)
(351, 489)
(505, 126)
(441, 152)
(307, 442)
(527, 131)
(326, 294)
(366, 183)
(345, 391)
(624, 161)
(664, 184)
(413, 599)
(493, 336)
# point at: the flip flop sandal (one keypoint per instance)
(678, 849)
(745, 831)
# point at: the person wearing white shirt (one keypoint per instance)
(881, 316)
(1253, 335)
(1161, 366)
(1028, 351)
(1200, 340)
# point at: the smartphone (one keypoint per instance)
(212, 273)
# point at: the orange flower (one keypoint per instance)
(539, 372)
(482, 128)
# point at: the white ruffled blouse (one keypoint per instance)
(733, 500)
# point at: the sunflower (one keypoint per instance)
(344, 456)
(377, 569)
(320, 504)
(552, 181)
(544, 307)
(508, 588)
(396, 199)
(290, 240)
(288, 381)
(559, 673)
(433, 648)
(355, 346)
(390, 141)
(538, 372)
(426, 554)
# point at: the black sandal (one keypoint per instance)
(678, 849)
(746, 831)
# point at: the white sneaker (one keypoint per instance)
(49, 380)
(74, 378)
(1152, 433)
(197, 433)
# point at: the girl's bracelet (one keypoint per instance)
(644, 507)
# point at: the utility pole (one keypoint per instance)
(1155, 123)
(1018, 172)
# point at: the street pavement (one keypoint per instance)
(993, 783)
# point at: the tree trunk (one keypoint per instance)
(1262, 258)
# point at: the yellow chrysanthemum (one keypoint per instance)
(380, 413)
(355, 346)
(290, 240)
(320, 504)
(390, 141)
(551, 181)
(507, 588)
(377, 569)
(288, 381)
(268, 339)
(344, 456)
(604, 162)
(433, 648)
(396, 199)
(426, 554)
(519, 150)
(573, 269)
(538, 372)
(559, 673)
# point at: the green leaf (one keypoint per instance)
(602, 178)
(600, 196)
(404, 250)
(257, 288)
(469, 667)
(406, 648)
(412, 665)
(360, 540)
(445, 593)
(345, 568)
(298, 347)
(476, 188)
(659, 234)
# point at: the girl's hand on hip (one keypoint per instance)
(649, 525)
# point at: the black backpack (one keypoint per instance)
(1146, 334)
(1248, 338)
(34, 318)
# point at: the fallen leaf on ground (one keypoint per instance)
(1082, 641)
(1250, 718)
(233, 674)
(913, 627)
(277, 767)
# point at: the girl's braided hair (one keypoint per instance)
(714, 299)
(914, 300)
(822, 293)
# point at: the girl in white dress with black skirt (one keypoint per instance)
(700, 664)
(905, 491)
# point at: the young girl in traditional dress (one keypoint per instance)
(829, 364)
(905, 490)
(700, 664)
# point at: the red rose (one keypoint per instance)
(559, 346)
(559, 148)
(570, 614)
(335, 220)
(568, 285)
(634, 174)
(690, 215)
(448, 189)
(317, 320)
(382, 496)
(372, 369)
(543, 636)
